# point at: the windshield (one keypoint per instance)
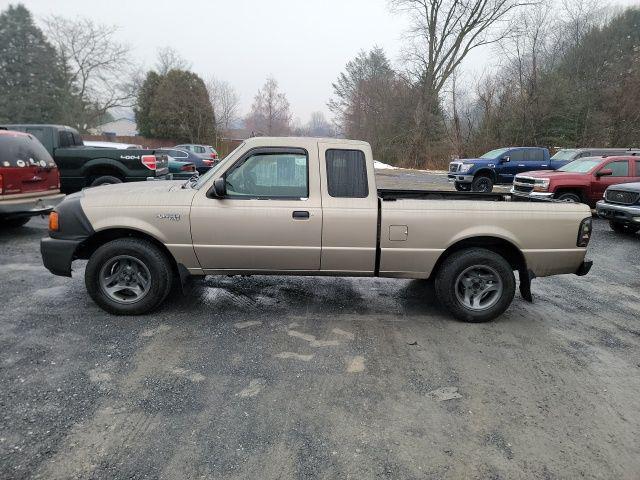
(205, 178)
(583, 165)
(495, 153)
(565, 154)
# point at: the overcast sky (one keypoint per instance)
(303, 44)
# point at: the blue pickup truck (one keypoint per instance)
(498, 167)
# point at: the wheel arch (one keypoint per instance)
(104, 166)
(486, 172)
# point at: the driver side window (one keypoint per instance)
(270, 175)
(619, 168)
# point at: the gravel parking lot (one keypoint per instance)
(267, 377)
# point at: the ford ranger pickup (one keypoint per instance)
(304, 206)
(81, 166)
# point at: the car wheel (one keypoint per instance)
(462, 187)
(14, 222)
(482, 184)
(128, 276)
(105, 180)
(475, 285)
(569, 197)
(625, 228)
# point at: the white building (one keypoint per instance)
(121, 127)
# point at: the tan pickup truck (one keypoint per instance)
(304, 206)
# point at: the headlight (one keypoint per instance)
(465, 167)
(541, 185)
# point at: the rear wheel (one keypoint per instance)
(14, 222)
(625, 228)
(475, 285)
(482, 184)
(462, 187)
(571, 197)
(105, 180)
(128, 276)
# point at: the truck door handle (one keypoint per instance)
(300, 214)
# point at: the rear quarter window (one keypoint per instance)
(346, 173)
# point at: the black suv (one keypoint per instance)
(621, 206)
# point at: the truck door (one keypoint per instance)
(271, 218)
(621, 174)
(507, 170)
(350, 208)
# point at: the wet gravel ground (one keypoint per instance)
(266, 377)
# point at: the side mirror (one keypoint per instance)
(605, 172)
(506, 159)
(220, 187)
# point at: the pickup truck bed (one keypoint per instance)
(303, 206)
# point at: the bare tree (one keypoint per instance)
(97, 65)
(170, 59)
(319, 126)
(443, 32)
(270, 114)
(225, 101)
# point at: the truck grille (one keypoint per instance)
(525, 180)
(621, 197)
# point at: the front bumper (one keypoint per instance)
(618, 213)
(57, 255)
(29, 206)
(531, 194)
(458, 178)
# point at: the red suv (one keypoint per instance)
(29, 180)
(584, 180)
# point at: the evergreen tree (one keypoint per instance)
(31, 75)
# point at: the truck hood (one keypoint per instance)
(551, 174)
(475, 160)
(149, 193)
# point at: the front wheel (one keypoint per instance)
(625, 228)
(462, 187)
(570, 197)
(482, 184)
(128, 276)
(475, 285)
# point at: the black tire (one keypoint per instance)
(569, 197)
(624, 228)
(482, 184)
(105, 180)
(460, 262)
(143, 251)
(14, 222)
(462, 187)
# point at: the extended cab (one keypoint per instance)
(584, 180)
(497, 167)
(304, 206)
(81, 166)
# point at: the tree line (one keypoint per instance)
(569, 77)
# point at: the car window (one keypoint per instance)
(66, 139)
(38, 133)
(493, 154)
(270, 175)
(77, 139)
(198, 149)
(517, 155)
(619, 168)
(22, 151)
(637, 168)
(565, 154)
(346, 173)
(534, 156)
(178, 154)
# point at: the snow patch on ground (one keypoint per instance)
(382, 166)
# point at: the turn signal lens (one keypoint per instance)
(54, 224)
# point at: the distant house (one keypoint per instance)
(121, 127)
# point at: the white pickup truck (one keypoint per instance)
(305, 206)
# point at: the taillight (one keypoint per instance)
(188, 168)
(584, 233)
(214, 155)
(149, 161)
(208, 163)
(1, 184)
